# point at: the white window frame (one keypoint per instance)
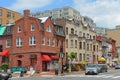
(32, 40)
(19, 29)
(8, 43)
(48, 41)
(19, 42)
(48, 29)
(43, 40)
(32, 27)
(53, 42)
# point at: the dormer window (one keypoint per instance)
(19, 29)
(32, 27)
(48, 29)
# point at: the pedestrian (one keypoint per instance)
(31, 70)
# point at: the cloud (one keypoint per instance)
(29, 4)
(105, 13)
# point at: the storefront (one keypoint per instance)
(48, 62)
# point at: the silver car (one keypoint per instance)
(91, 69)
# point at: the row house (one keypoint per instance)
(34, 42)
(108, 49)
(80, 39)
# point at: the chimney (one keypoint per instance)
(26, 13)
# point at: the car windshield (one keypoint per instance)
(91, 65)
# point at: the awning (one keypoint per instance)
(5, 53)
(54, 57)
(46, 58)
(101, 59)
(2, 29)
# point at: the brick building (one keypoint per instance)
(35, 42)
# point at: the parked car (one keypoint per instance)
(91, 69)
(117, 66)
(5, 75)
(102, 68)
(18, 69)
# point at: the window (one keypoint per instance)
(8, 14)
(7, 43)
(32, 27)
(19, 42)
(57, 43)
(66, 43)
(0, 21)
(93, 47)
(53, 43)
(80, 45)
(48, 41)
(0, 12)
(84, 45)
(75, 43)
(32, 40)
(8, 29)
(71, 43)
(72, 31)
(87, 46)
(80, 57)
(19, 29)
(48, 29)
(66, 31)
(43, 40)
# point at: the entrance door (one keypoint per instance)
(19, 63)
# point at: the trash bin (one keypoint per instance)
(21, 73)
(56, 71)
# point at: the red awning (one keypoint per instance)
(46, 58)
(5, 53)
(55, 57)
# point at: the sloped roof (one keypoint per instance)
(2, 29)
(43, 19)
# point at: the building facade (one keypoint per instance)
(8, 16)
(33, 42)
(80, 39)
(65, 12)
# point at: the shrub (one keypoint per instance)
(4, 66)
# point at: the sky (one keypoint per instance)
(105, 13)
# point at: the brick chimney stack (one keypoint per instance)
(26, 13)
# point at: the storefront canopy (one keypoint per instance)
(46, 58)
(101, 59)
(4, 53)
(54, 57)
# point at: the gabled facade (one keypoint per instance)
(33, 43)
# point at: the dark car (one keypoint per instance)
(5, 75)
(91, 69)
(102, 68)
(117, 66)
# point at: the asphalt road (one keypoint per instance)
(110, 75)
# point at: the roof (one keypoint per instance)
(2, 29)
(43, 19)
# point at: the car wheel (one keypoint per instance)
(86, 73)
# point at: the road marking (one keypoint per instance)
(116, 77)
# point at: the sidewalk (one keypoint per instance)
(50, 74)
(47, 74)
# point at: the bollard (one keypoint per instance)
(21, 73)
(56, 71)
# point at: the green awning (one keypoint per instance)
(2, 29)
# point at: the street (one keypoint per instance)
(110, 75)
